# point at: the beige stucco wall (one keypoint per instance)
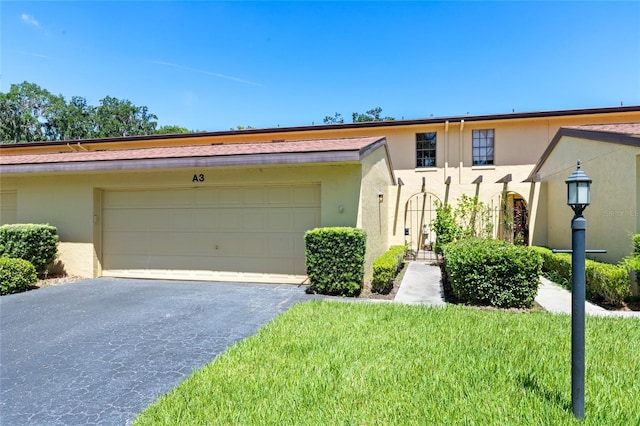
(373, 215)
(488, 191)
(518, 145)
(70, 202)
(612, 216)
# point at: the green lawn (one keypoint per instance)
(327, 363)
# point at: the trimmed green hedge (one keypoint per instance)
(16, 275)
(335, 260)
(32, 242)
(636, 255)
(604, 282)
(492, 272)
(607, 283)
(386, 267)
(555, 266)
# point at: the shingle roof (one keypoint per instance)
(620, 128)
(319, 151)
(218, 150)
(363, 125)
(617, 133)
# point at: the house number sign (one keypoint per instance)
(198, 178)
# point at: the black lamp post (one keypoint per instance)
(578, 198)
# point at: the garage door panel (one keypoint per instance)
(241, 233)
(8, 207)
(254, 196)
(306, 195)
(280, 196)
(254, 219)
(231, 196)
(305, 219)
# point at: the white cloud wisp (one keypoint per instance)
(29, 20)
(214, 74)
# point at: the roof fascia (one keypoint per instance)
(185, 162)
(594, 135)
(364, 125)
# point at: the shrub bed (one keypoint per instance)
(605, 283)
(492, 272)
(636, 256)
(32, 242)
(386, 267)
(335, 260)
(16, 275)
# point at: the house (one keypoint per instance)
(610, 156)
(234, 205)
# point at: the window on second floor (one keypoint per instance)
(426, 149)
(483, 147)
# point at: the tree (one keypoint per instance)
(239, 127)
(371, 115)
(30, 113)
(336, 119)
(24, 112)
(171, 130)
(115, 117)
(74, 120)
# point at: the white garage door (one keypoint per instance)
(8, 207)
(248, 233)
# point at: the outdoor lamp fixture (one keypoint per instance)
(380, 196)
(578, 188)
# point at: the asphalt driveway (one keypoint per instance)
(99, 351)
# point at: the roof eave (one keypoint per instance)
(368, 124)
(602, 136)
(186, 162)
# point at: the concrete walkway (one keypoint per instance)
(557, 300)
(422, 284)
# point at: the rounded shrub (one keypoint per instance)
(35, 243)
(16, 275)
(493, 272)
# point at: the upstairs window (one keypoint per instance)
(483, 147)
(426, 149)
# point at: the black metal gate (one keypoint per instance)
(419, 212)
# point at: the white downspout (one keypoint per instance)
(446, 144)
(460, 153)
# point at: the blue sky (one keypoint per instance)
(210, 65)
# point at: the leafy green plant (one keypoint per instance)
(470, 219)
(492, 272)
(473, 217)
(386, 267)
(16, 275)
(335, 260)
(32, 242)
(506, 217)
(445, 227)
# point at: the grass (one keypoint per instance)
(370, 364)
